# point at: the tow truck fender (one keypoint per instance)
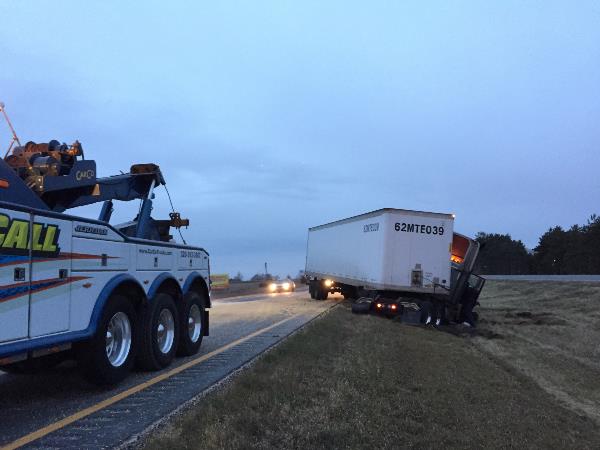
(192, 277)
(158, 281)
(105, 294)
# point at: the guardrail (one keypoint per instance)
(580, 278)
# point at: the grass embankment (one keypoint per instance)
(550, 332)
(350, 381)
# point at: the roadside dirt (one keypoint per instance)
(550, 332)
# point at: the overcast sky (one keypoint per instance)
(270, 117)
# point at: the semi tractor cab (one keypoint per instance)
(399, 257)
(463, 281)
(111, 296)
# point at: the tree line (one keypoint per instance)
(559, 252)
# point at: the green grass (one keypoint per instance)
(350, 381)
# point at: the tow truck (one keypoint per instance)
(113, 296)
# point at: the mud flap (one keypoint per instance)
(206, 322)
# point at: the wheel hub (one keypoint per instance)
(194, 323)
(118, 339)
(165, 331)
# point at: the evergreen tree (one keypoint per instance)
(502, 255)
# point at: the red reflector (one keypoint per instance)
(3, 184)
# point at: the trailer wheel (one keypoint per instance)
(159, 333)
(108, 357)
(192, 324)
(320, 293)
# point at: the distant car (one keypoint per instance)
(282, 286)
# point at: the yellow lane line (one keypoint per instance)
(27, 439)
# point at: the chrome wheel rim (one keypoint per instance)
(118, 339)
(194, 323)
(165, 331)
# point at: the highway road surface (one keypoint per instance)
(58, 409)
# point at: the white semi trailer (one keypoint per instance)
(395, 254)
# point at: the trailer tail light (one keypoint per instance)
(4, 184)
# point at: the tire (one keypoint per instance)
(320, 293)
(189, 342)
(36, 365)
(159, 334)
(105, 362)
(311, 291)
(362, 306)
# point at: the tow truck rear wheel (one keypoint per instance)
(159, 333)
(108, 357)
(192, 318)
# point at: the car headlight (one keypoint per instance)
(286, 286)
(328, 283)
(272, 286)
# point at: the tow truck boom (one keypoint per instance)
(51, 177)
